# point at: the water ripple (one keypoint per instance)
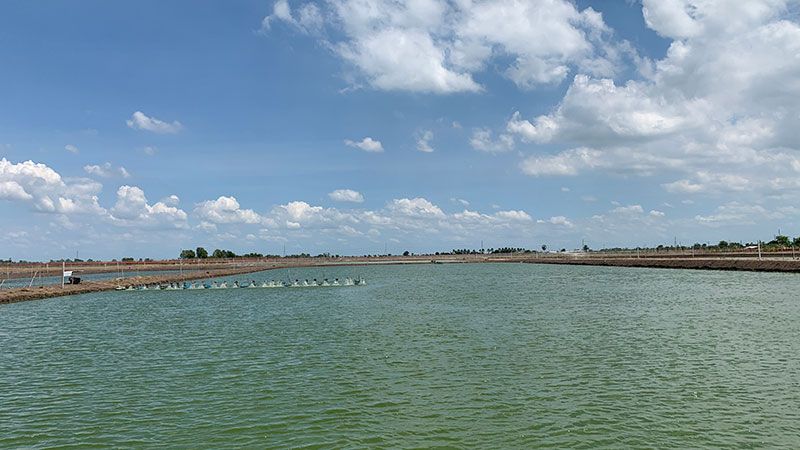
(423, 357)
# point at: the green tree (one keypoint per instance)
(782, 240)
(544, 247)
(201, 253)
(187, 254)
(723, 244)
(405, 253)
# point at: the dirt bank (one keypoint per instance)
(35, 293)
(746, 264)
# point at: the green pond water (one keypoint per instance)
(481, 356)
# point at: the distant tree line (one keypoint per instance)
(202, 253)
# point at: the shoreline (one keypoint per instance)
(782, 265)
(21, 294)
(728, 264)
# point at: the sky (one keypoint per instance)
(357, 126)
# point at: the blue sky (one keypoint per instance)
(350, 125)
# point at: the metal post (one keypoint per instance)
(63, 269)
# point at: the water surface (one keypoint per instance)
(510, 355)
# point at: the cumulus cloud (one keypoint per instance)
(424, 142)
(482, 140)
(307, 19)
(106, 170)
(45, 189)
(72, 149)
(712, 134)
(132, 209)
(225, 210)
(439, 47)
(521, 216)
(542, 131)
(367, 144)
(172, 200)
(736, 213)
(561, 221)
(346, 195)
(11, 190)
(140, 121)
(630, 209)
(569, 162)
(415, 207)
(400, 220)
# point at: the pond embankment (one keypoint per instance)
(743, 264)
(40, 292)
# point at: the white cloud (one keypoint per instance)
(11, 190)
(656, 213)
(106, 170)
(72, 149)
(569, 162)
(682, 186)
(404, 59)
(542, 131)
(482, 140)
(561, 221)
(208, 227)
(346, 195)
(46, 190)
(149, 150)
(225, 210)
(521, 216)
(684, 19)
(436, 46)
(711, 133)
(630, 209)
(172, 200)
(308, 19)
(132, 209)
(424, 142)
(300, 211)
(736, 213)
(140, 121)
(367, 144)
(415, 207)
